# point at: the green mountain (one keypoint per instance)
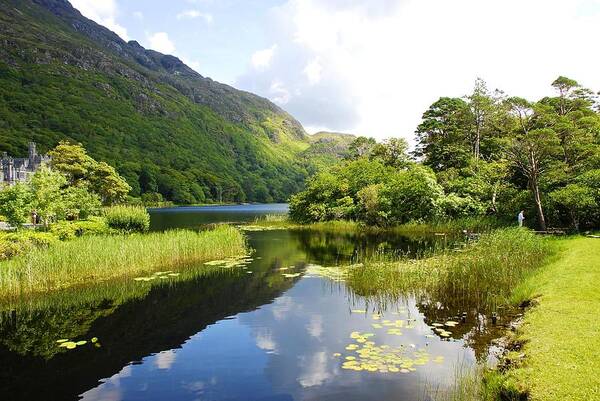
(326, 148)
(164, 127)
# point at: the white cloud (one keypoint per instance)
(261, 59)
(103, 12)
(191, 14)
(279, 93)
(160, 42)
(314, 370)
(313, 71)
(374, 67)
(165, 359)
(315, 326)
(138, 15)
(265, 341)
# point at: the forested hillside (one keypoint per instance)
(166, 128)
(487, 154)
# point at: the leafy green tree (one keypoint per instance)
(371, 205)
(79, 203)
(392, 152)
(532, 150)
(80, 169)
(107, 183)
(46, 187)
(15, 204)
(361, 147)
(443, 135)
(412, 195)
(71, 160)
(578, 200)
(481, 107)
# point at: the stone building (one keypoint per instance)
(13, 170)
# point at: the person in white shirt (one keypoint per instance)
(521, 218)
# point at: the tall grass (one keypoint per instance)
(474, 383)
(479, 224)
(99, 258)
(127, 218)
(482, 274)
(472, 224)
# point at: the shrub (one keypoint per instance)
(16, 243)
(66, 230)
(127, 218)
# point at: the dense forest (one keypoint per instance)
(487, 154)
(166, 129)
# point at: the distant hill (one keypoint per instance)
(165, 127)
(327, 148)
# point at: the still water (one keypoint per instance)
(254, 333)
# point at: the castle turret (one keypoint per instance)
(32, 152)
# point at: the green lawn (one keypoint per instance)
(563, 331)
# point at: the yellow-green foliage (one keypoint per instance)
(16, 243)
(97, 258)
(127, 218)
(66, 230)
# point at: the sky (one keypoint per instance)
(367, 67)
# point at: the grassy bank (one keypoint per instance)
(98, 258)
(482, 274)
(561, 333)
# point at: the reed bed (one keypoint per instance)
(98, 258)
(472, 224)
(482, 274)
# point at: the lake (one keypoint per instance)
(276, 329)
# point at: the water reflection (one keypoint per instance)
(196, 216)
(230, 335)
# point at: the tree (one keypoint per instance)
(480, 105)
(392, 152)
(107, 183)
(79, 203)
(72, 160)
(360, 147)
(15, 204)
(531, 150)
(46, 187)
(80, 169)
(443, 135)
(577, 199)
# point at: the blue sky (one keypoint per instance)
(367, 67)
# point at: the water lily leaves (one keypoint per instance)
(65, 343)
(369, 357)
(451, 323)
(376, 326)
(333, 273)
(337, 354)
(359, 311)
(227, 263)
(291, 275)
